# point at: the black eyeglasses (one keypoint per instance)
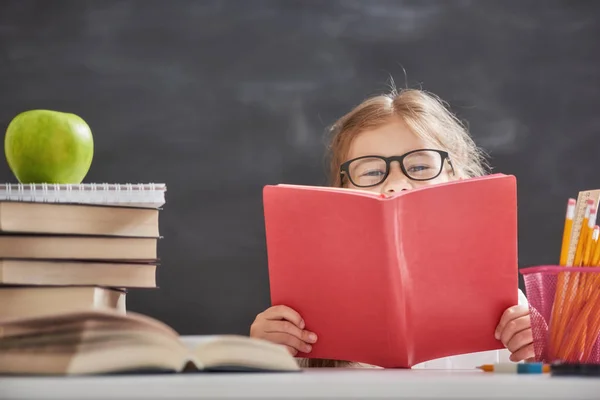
(418, 165)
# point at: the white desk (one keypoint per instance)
(317, 383)
(309, 384)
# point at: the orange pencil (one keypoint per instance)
(566, 239)
(579, 303)
(564, 280)
(562, 309)
(580, 294)
(594, 325)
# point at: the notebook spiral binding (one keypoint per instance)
(128, 194)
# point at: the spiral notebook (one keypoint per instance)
(146, 195)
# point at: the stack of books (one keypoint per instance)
(68, 253)
(68, 248)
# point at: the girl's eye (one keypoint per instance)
(418, 168)
(374, 172)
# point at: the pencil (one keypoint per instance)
(566, 239)
(582, 235)
(562, 308)
(563, 278)
(589, 241)
(574, 328)
(516, 368)
(596, 251)
(578, 336)
(595, 333)
(580, 295)
(570, 353)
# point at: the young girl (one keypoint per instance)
(425, 145)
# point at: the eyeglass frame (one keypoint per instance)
(344, 167)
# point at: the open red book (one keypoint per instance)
(395, 281)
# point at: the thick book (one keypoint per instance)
(39, 301)
(71, 247)
(41, 272)
(77, 219)
(110, 342)
(394, 281)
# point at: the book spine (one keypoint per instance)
(397, 292)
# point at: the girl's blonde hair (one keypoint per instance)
(426, 116)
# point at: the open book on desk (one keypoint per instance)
(395, 281)
(108, 341)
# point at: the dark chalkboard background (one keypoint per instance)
(218, 98)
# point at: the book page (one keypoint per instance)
(236, 352)
(332, 189)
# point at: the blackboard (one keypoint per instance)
(218, 98)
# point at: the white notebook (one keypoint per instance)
(147, 195)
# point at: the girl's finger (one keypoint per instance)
(513, 327)
(520, 340)
(289, 340)
(524, 353)
(284, 312)
(289, 328)
(510, 314)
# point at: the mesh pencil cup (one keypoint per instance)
(564, 305)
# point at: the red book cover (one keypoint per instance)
(395, 281)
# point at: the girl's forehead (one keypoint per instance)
(392, 138)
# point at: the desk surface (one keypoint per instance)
(308, 384)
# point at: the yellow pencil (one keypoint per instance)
(587, 249)
(566, 239)
(587, 255)
(582, 235)
(563, 280)
(596, 254)
(579, 296)
(562, 308)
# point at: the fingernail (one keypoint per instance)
(301, 324)
(307, 348)
(312, 337)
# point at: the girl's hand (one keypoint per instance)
(282, 325)
(514, 331)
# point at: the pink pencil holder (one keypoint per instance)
(571, 332)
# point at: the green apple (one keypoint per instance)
(45, 146)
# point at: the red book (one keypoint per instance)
(395, 281)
